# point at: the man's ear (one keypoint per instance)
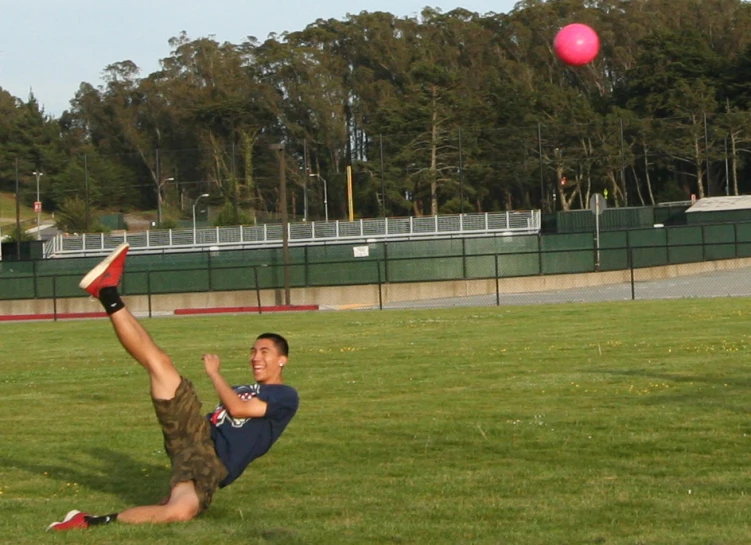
(282, 361)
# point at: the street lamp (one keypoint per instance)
(38, 205)
(194, 215)
(159, 200)
(325, 193)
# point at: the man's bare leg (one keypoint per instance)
(163, 375)
(183, 505)
(101, 282)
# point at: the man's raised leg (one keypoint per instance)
(101, 282)
(135, 339)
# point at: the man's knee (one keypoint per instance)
(183, 504)
(182, 512)
(165, 378)
(159, 363)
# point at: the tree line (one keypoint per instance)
(438, 113)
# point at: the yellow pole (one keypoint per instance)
(349, 194)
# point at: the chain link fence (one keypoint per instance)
(480, 279)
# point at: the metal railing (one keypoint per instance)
(302, 233)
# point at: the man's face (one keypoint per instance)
(266, 361)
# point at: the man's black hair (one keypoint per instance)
(282, 346)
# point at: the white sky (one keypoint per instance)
(51, 46)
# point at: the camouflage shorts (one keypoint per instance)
(187, 440)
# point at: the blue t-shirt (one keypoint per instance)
(239, 441)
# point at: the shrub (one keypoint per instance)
(228, 216)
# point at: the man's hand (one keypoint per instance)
(211, 364)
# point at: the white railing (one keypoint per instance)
(304, 233)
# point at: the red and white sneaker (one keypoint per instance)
(74, 520)
(107, 273)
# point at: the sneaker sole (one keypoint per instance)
(69, 516)
(97, 271)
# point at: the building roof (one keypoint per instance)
(721, 204)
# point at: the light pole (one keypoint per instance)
(194, 215)
(38, 205)
(325, 193)
(159, 200)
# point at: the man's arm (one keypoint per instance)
(236, 407)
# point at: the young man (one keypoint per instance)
(207, 452)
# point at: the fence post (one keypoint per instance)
(258, 288)
(148, 289)
(380, 292)
(386, 262)
(539, 254)
(464, 258)
(54, 298)
(630, 259)
(497, 284)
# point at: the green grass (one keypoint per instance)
(621, 423)
(8, 211)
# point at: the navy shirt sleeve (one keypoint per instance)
(281, 400)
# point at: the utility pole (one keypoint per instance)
(285, 222)
(18, 215)
(38, 205)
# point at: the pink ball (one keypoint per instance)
(576, 44)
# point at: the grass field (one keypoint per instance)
(621, 423)
(8, 211)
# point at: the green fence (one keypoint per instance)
(394, 262)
